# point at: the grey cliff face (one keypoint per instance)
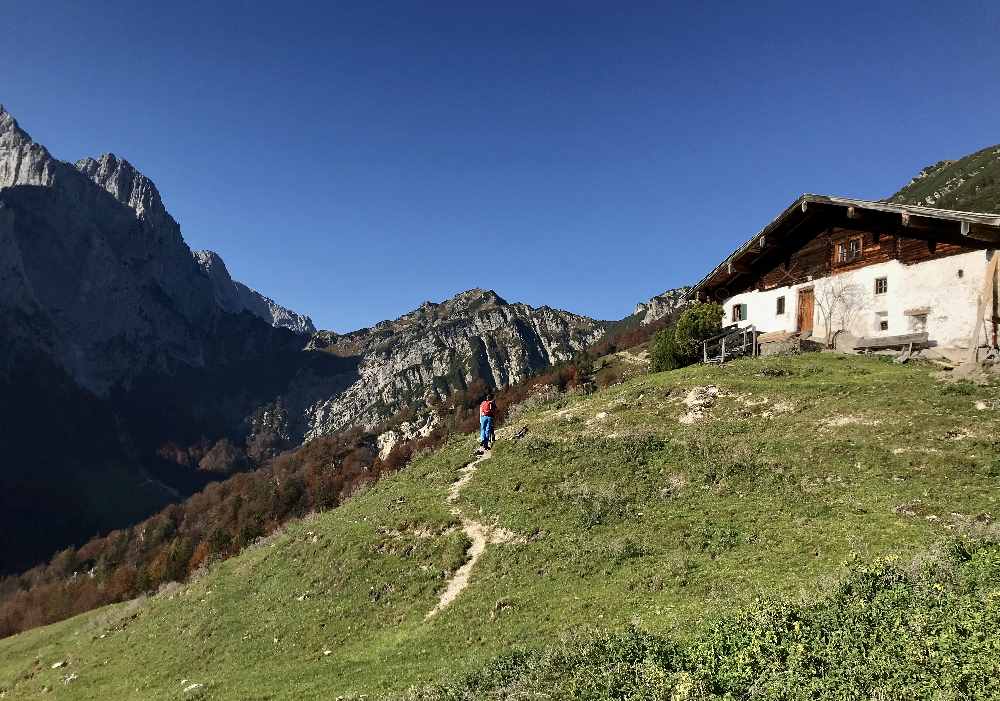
(130, 187)
(429, 353)
(94, 270)
(235, 297)
(662, 305)
(23, 162)
(134, 190)
(115, 294)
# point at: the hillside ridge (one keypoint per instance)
(971, 183)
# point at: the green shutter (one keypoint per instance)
(743, 312)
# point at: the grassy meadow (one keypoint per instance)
(653, 509)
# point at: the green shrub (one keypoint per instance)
(680, 345)
(664, 353)
(884, 632)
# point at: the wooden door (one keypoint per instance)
(807, 308)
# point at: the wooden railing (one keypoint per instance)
(732, 342)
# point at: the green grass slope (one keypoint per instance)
(970, 184)
(663, 504)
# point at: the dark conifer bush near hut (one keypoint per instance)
(678, 345)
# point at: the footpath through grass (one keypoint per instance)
(662, 505)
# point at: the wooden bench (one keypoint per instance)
(905, 341)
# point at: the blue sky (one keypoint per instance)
(352, 160)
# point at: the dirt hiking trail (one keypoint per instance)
(480, 534)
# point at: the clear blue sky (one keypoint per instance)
(354, 159)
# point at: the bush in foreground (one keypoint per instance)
(885, 632)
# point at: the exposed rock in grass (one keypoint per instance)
(851, 420)
(698, 401)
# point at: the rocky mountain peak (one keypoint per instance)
(22, 161)
(91, 252)
(477, 298)
(462, 304)
(10, 130)
(429, 353)
(211, 262)
(662, 305)
(127, 185)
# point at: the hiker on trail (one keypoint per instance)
(486, 410)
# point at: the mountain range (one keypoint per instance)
(135, 370)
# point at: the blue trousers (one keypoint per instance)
(485, 430)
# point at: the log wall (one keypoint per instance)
(816, 257)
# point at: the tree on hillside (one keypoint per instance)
(677, 345)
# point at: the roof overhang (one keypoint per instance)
(810, 214)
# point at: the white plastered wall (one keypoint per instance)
(949, 296)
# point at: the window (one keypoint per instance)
(781, 306)
(883, 325)
(881, 285)
(739, 312)
(848, 250)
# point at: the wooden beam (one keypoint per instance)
(915, 221)
(737, 267)
(981, 232)
(853, 212)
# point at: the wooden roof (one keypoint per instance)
(811, 214)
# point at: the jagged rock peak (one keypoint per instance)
(662, 305)
(472, 300)
(22, 161)
(235, 297)
(463, 304)
(130, 187)
(212, 263)
(9, 128)
(478, 297)
(126, 184)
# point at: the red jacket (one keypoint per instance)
(486, 408)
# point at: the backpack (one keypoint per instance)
(486, 408)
